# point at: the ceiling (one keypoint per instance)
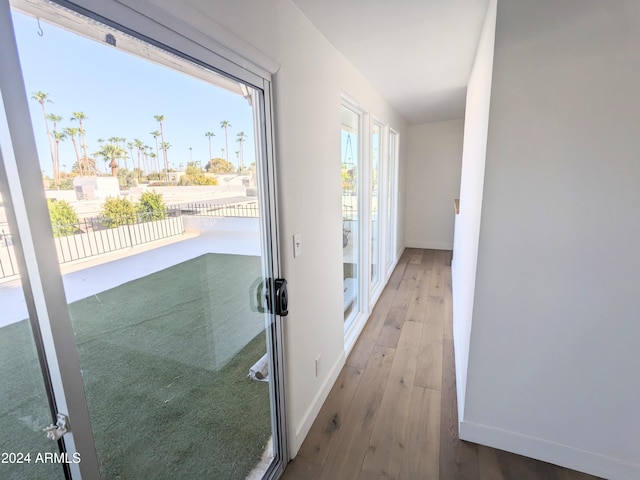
(416, 53)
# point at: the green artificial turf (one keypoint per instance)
(164, 360)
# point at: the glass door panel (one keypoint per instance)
(25, 451)
(350, 142)
(154, 174)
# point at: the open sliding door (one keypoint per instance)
(139, 223)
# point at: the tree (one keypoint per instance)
(193, 169)
(80, 116)
(57, 138)
(71, 132)
(43, 98)
(118, 211)
(220, 166)
(117, 141)
(166, 146)
(209, 135)
(130, 146)
(151, 206)
(141, 148)
(160, 119)
(240, 138)
(226, 125)
(64, 219)
(156, 134)
(112, 153)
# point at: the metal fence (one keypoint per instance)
(93, 238)
(8, 262)
(247, 209)
(96, 235)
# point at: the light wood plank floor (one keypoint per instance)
(392, 412)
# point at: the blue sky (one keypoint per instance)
(121, 94)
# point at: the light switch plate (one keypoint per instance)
(297, 244)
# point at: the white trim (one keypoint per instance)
(375, 287)
(429, 245)
(316, 404)
(547, 451)
(216, 37)
(353, 332)
(147, 22)
(392, 229)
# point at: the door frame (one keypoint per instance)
(42, 282)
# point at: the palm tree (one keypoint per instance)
(42, 98)
(112, 152)
(71, 132)
(140, 147)
(56, 170)
(226, 125)
(80, 116)
(209, 135)
(58, 137)
(160, 119)
(130, 146)
(156, 134)
(241, 137)
(152, 159)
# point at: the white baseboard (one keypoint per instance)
(562, 455)
(430, 245)
(310, 415)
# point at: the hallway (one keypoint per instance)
(392, 412)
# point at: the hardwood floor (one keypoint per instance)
(392, 412)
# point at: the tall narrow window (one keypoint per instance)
(391, 200)
(374, 205)
(350, 140)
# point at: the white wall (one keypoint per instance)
(307, 90)
(467, 222)
(434, 158)
(554, 357)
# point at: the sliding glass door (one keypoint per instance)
(157, 218)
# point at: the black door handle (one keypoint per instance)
(281, 297)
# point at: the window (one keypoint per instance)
(350, 143)
(375, 204)
(392, 163)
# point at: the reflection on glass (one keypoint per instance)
(24, 405)
(375, 203)
(350, 138)
(152, 186)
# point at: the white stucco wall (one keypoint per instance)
(553, 361)
(434, 159)
(467, 222)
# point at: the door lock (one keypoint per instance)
(281, 297)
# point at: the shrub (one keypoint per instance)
(199, 179)
(151, 206)
(118, 211)
(64, 219)
(127, 179)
